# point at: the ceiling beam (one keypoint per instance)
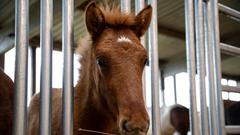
(35, 42)
(57, 44)
(6, 43)
(232, 77)
(6, 30)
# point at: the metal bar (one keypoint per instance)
(162, 84)
(33, 69)
(199, 28)
(232, 129)
(163, 97)
(126, 6)
(21, 68)
(154, 68)
(190, 52)
(229, 11)
(46, 66)
(229, 49)
(231, 89)
(217, 67)
(139, 5)
(2, 60)
(175, 89)
(67, 40)
(209, 67)
(162, 88)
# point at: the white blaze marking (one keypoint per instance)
(124, 39)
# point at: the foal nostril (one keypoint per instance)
(125, 126)
(132, 126)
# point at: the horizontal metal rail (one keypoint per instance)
(229, 11)
(232, 129)
(231, 89)
(229, 49)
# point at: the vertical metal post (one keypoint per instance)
(46, 66)
(209, 66)
(2, 60)
(67, 40)
(126, 6)
(175, 89)
(154, 67)
(163, 97)
(139, 5)
(190, 52)
(162, 88)
(199, 28)
(217, 66)
(33, 69)
(21, 67)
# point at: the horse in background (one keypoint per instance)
(6, 104)
(108, 96)
(174, 119)
(232, 112)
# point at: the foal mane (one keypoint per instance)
(113, 17)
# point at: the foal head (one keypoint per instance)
(118, 61)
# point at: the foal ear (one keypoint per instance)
(143, 20)
(94, 19)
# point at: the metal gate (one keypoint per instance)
(21, 41)
(201, 18)
(21, 71)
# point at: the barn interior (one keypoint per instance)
(171, 33)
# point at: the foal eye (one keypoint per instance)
(146, 62)
(101, 62)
